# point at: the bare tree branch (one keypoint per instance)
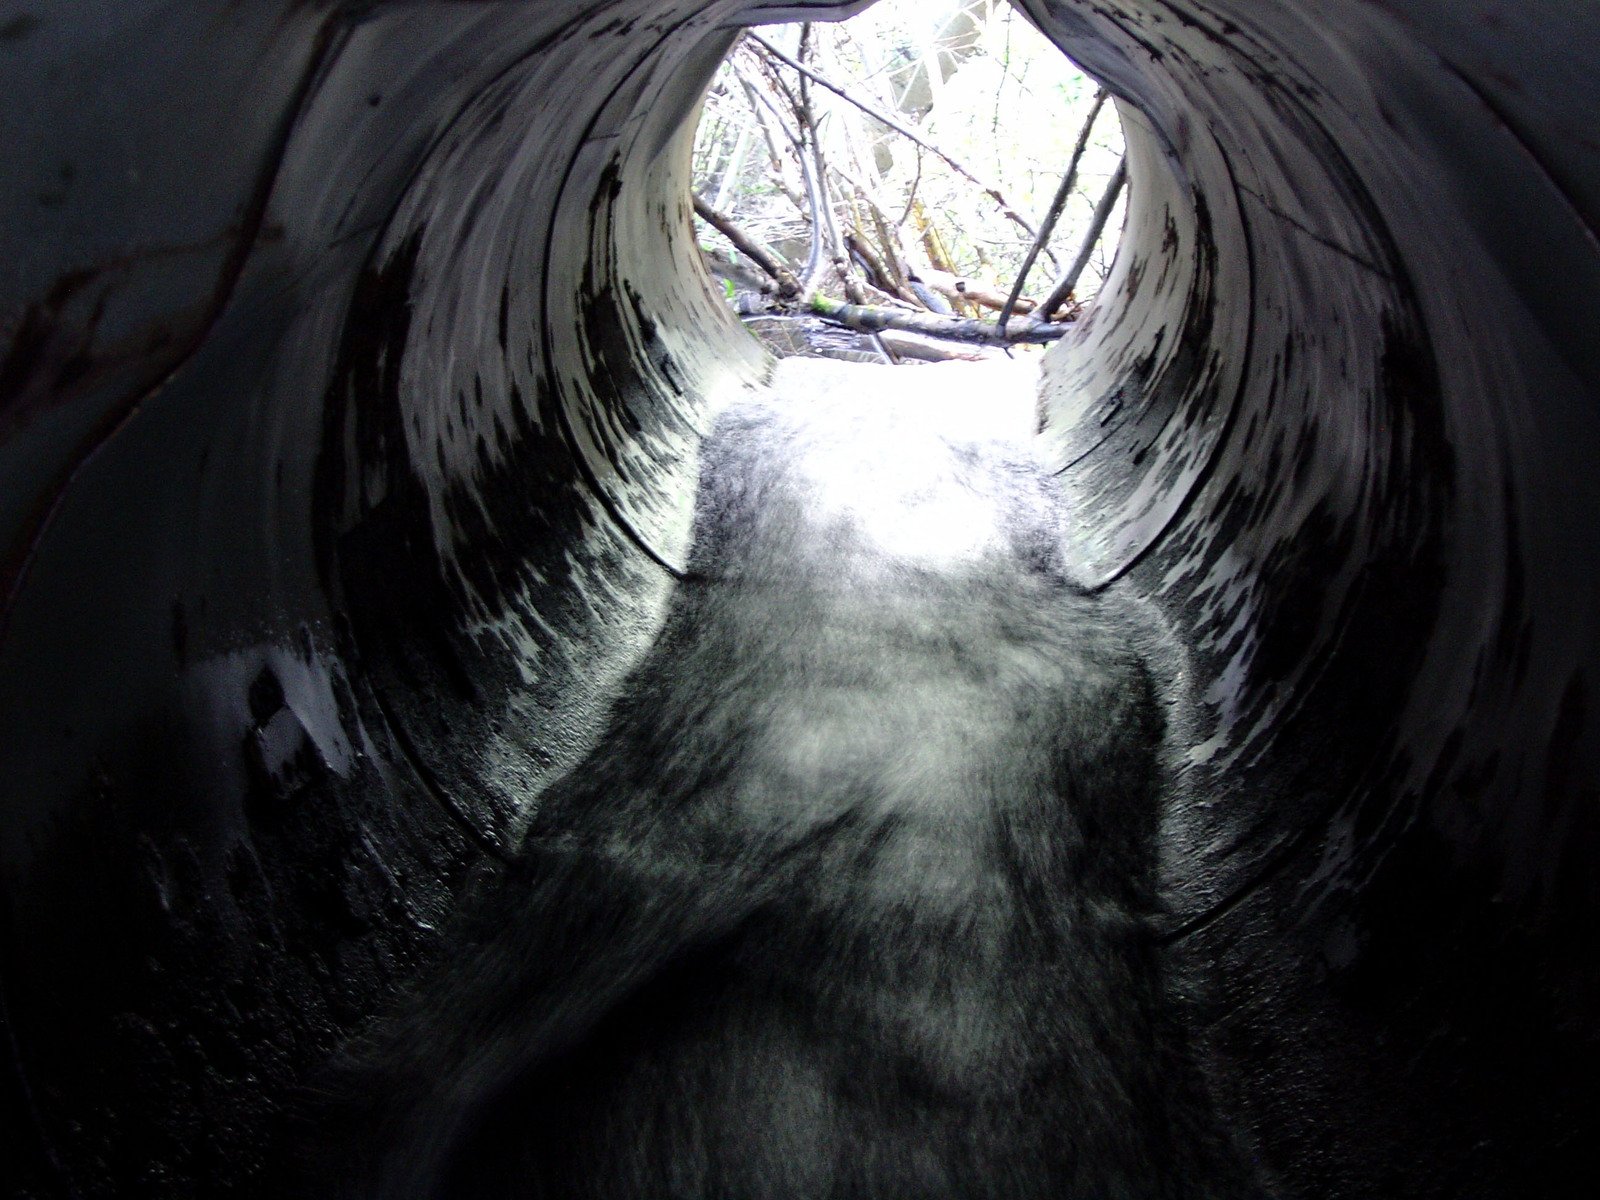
(885, 259)
(876, 266)
(911, 195)
(734, 165)
(959, 167)
(813, 210)
(1097, 225)
(788, 285)
(888, 239)
(822, 202)
(1068, 182)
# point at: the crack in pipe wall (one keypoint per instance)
(355, 360)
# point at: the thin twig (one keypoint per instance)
(823, 224)
(814, 198)
(959, 167)
(734, 165)
(1057, 206)
(911, 196)
(888, 264)
(1097, 225)
(893, 259)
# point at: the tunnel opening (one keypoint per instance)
(351, 401)
(889, 160)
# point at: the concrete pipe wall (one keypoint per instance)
(355, 360)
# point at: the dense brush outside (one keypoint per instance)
(914, 159)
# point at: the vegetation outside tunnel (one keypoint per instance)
(939, 160)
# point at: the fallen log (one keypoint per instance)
(869, 319)
(925, 349)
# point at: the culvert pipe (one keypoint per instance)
(356, 357)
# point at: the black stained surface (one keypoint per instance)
(354, 360)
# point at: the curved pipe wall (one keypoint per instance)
(356, 358)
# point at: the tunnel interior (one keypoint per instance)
(357, 359)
